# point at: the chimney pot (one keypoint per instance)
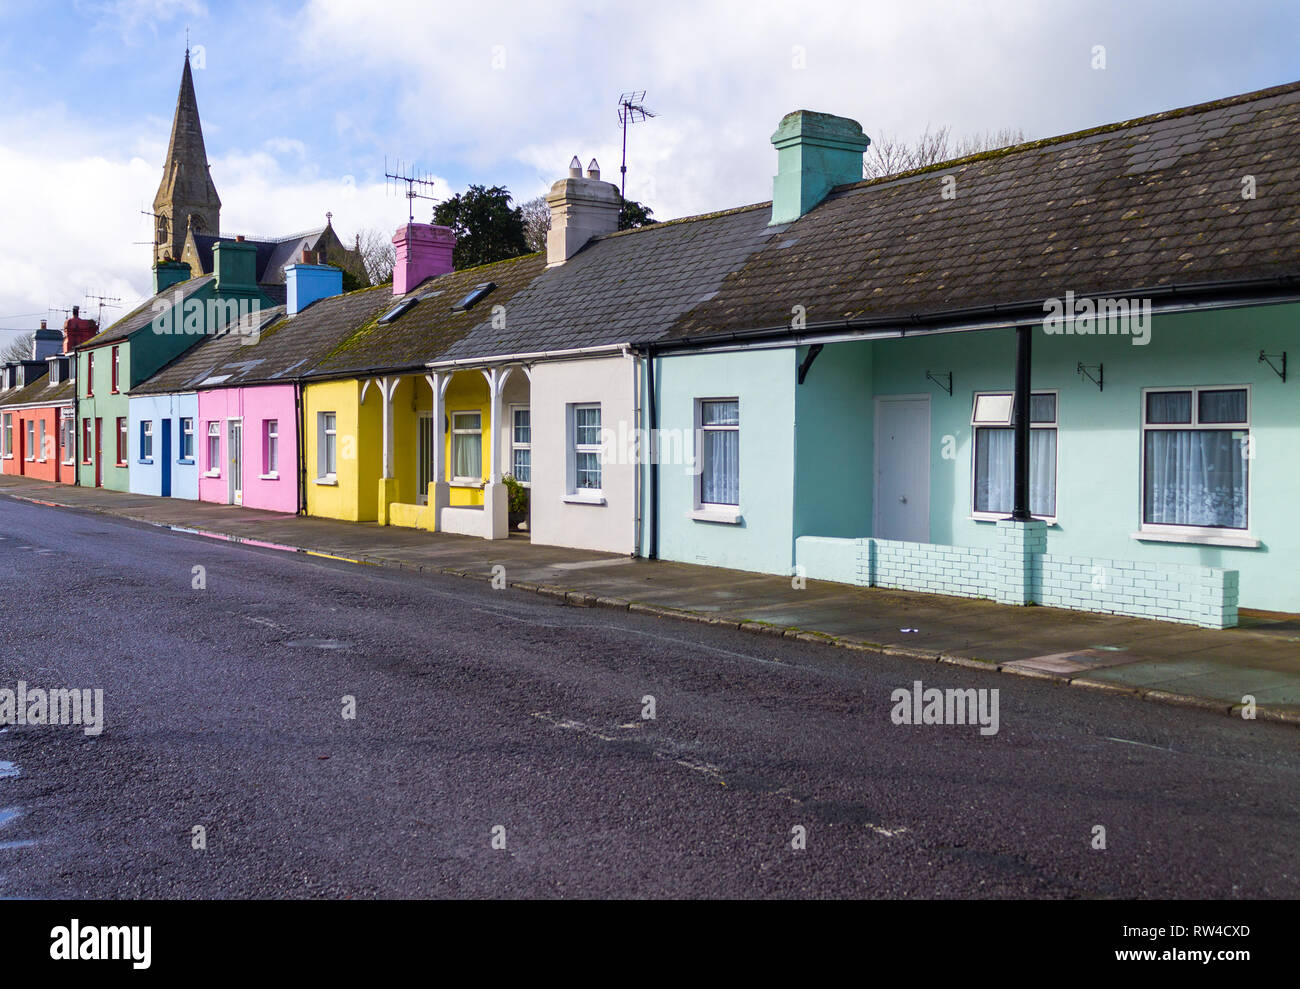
(239, 238)
(575, 168)
(42, 324)
(593, 170)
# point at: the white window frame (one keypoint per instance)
(576, 494)
(123, 438)
(270, 450)
(521, 407)
(68, 437)
(327, 438)
(146, 441)
(31, 441)
(9, 436)
(214, 463)
(707, 511)
(458, 479)
(187, 430)
(1009, 421)
(1213, 535)
(41, 437)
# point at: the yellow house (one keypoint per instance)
(379, 427)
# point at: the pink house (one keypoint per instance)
(246, 441)
(259, 424)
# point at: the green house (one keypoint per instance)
(180, 313)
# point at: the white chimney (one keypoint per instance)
(581, 208)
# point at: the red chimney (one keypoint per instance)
(77, 331)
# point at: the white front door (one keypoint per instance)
(902, 504)
(235, 448)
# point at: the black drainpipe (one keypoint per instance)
(302, 449)
(652, 435)
(1020, 420)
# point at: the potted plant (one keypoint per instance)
(518, 502)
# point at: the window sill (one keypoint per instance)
(466, 482)
(148, 460)
(579, 498)
(273, 476)
(68, 463)
(721, 515)
(1051, 522)
(185, 463)
(212, 473)
(329, 482)
(1196, 538)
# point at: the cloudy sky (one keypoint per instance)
(301, 102)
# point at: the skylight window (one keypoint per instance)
(474, 297)
(397, 310)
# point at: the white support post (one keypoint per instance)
(496, 498)
(439, 493)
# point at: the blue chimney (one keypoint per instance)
(305, 283)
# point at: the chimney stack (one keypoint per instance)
(814, 153)
(421, 250)
(305, 282)
(581, 208)
(77, 331)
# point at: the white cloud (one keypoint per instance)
(80, 220)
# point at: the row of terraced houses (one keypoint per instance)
(1051, 374)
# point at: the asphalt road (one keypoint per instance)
(479, 710)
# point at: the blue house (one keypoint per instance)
(1053, 374)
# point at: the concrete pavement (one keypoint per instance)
(1152, 660)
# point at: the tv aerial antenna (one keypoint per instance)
(104, 300)
(414, 182)
(631, 110)
(155, 217)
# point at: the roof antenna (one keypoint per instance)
(103, 300)
(631, 110)
(412, 180)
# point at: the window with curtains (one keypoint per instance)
(1196, 457)
(719, 452)
(146, 441)
(68, 427)
(31, 439)
(467, 446)
(9, 435)
(187, 439)
(993, 475)
(521, 444)
(123, 444)
(41, 453)
(87, 442)
(585, 451)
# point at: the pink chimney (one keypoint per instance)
(422, 250)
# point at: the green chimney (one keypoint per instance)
(814, 153)
(234, 262)
(168, 273)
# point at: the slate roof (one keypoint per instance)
(39, 392)
(1145, 204)
(623, 287)
(426, 331)
(272, 255)
(143, 315)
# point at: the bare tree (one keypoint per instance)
(537, 221)
(18, 349)
(890, 155)
(377, 255)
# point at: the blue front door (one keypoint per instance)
(165, 462)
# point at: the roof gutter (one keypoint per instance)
(576, 353)
(1170, 299)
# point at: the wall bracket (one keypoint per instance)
(1086, 371)
(941, 378)
(1270, 358)
(806, 365)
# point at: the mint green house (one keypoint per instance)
(1054, 374)
(178, 315)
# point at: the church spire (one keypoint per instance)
(186, 196)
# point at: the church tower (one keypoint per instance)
(186, 196)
